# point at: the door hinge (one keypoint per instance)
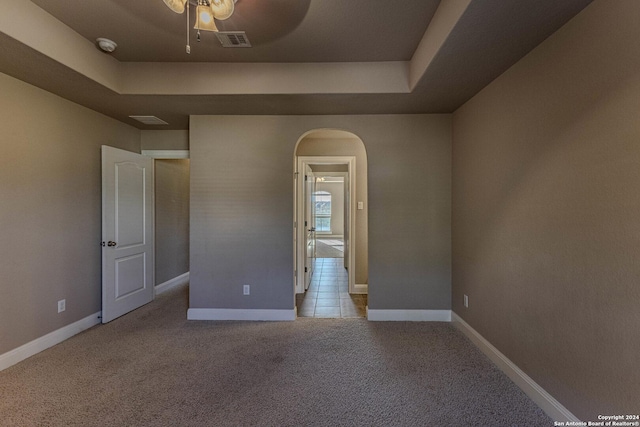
(306, 177)
(305, 270)
(305, 223)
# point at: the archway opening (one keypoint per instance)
(331, 224)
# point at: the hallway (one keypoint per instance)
(328, 295)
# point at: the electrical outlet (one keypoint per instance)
(466, 301)
(62, 305)
(246, 289)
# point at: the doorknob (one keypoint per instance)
(111, 243)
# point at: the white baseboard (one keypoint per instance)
(409, 315)
(240, 314)
(544, 400)
(176, 281)
(44, 342)
(360, 288)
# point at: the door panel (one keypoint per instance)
(129, 216)
(127, 232)
(129, 276)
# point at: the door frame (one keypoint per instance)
(309, 188)
(298, 221)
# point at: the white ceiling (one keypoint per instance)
(309, 56)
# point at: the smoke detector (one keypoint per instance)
(106, 45)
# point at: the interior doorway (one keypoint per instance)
(308, 222)
(171, 217)
(133, 279)
(330, 214)
(330, 232)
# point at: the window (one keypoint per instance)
(322, 204)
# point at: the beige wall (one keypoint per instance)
(546, 212)
(50, 210)
(172, 218)
(348, 147)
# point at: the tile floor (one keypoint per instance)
(328, 295)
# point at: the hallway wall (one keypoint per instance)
(172, 218)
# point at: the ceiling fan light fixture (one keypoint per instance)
(176, 5)
(204, 18)
(222, 9)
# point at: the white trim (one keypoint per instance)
(240, 314)
(544, 400)
(409, 315)
(360, 288)
(182, 279)
(44, 342)
(166, 154)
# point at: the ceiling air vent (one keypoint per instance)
(149, 120)
(233, 39)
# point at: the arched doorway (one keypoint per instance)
(328, 284)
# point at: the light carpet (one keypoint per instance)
(152, 367)
(325, 250)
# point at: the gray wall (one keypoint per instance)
(242, 208)
(546, 225)
(172, 218)
(50, 210)
(164, 140)
(310, 146)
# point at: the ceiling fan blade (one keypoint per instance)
(176, 5)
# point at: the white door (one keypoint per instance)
(127, 232)
(310, 225)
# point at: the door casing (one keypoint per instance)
(299, 230)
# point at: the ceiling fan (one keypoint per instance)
(207, 11)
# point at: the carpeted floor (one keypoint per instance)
(152, 367)
(329, 248)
